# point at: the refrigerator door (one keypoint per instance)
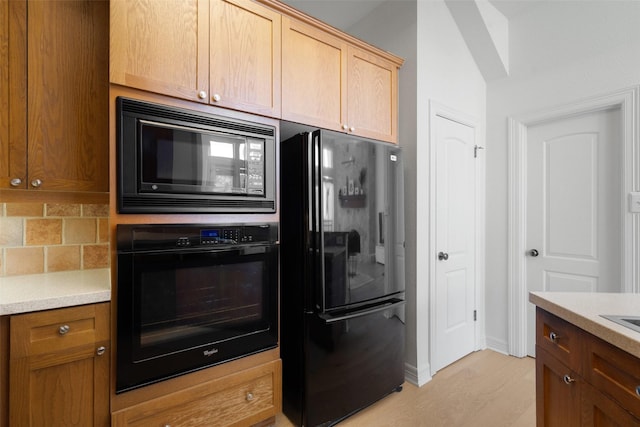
(357, 220)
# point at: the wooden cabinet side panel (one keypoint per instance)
(372, 96)
(13, 93)
(160, 46)
(245, 52)
(4, 371)
(68, 93)
(313, 76)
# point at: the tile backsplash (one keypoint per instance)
(48, 237)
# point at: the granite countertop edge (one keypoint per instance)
(584, 310)
(36, 292)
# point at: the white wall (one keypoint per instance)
(438, 66)
(560, 52)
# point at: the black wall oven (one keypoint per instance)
(192, 296)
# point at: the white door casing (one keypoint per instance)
(626, 103)
(454, 230)
(573, 227)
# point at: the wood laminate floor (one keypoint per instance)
(483, 389)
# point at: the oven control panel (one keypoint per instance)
(185, 236)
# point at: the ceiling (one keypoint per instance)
(342, 14)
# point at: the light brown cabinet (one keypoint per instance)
(330, 83)
(246, 398)
(53, 95)
(59, 367)
(222, 52)
(582, 380)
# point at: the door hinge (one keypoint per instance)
(475, 150)
(475, 315)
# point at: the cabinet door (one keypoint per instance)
(68, 95)
(68, 388)
(557, 392)
(161, 46)
(372, 96)
(313, 76)
(600, 411)
(244, 65)
(13, 94)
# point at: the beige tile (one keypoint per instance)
(62, 258)
(63, 209)
(95, 210)
(2, 212)
(103, 230)
(24, 261)
(11, 231)
(95, 256)
(25, 209)
(43, 232)
(80, 230)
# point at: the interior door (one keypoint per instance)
(455, 242)
(574, 222)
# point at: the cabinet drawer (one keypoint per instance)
(244, 398)
(559, 337)
(613, 371)
(54, 330)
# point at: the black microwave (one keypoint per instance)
(174, 160)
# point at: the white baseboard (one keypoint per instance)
(500, 346)
(416, 378)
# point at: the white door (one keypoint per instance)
(574, 179)
(455, 242)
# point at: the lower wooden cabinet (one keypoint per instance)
(240, 399)
(582, 380)
(59, 367)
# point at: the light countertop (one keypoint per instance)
(584, 309)
(22, 294)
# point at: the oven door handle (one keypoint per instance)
(230, 250)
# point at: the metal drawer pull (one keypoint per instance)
(638, 390)
(250, 397)
(100, 351)
(63, 329)
(568, 380)
(554, 337)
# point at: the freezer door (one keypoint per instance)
(358, 219)
(352, 363)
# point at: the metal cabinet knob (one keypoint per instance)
(554, 337)
(36, 183)
(567, 379)
(352, 129)
(216, 97)
(101, 350)
(250, 397)
(534, 253)
(64, 329)
(443, 256)
(15, 182)
(202, 94)
(345, 127)
(638, 390)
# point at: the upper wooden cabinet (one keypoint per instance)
(334, 84)
(223, 52)
(54, 95)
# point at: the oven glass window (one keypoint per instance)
(193, 305)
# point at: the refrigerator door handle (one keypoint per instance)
(392, 303)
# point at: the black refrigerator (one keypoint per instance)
(342, 333)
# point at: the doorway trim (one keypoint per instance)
(627, 100)
(437, 109)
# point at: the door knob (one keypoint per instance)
(534, 252)
(443, 256)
